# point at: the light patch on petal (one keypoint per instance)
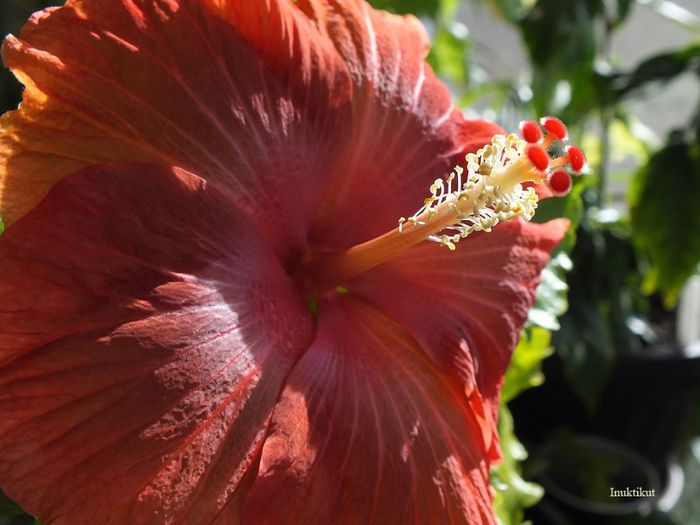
(142, 349)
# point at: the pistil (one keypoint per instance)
(488, 190)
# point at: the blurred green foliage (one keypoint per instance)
(8, 507)
(417, 7)
(663, 219)
(604, 295)
(513, 493)
(12, 514)
(525, 371)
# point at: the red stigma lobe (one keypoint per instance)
(538, 157)
(560, 182)
(556, 127)
(530, 131)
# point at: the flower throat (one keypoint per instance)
(489, 189)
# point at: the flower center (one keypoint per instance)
(476, 197)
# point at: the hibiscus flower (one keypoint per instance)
(208, 314)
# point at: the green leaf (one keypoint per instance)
(513, 493)
(416, 7)
(525, 370)
(623, 9)
(510, 10)
(562, 44)
(563, 40)
(9, 507)
(585, 346)
(448, 55)
(604, 296)
(551, 298)
(666, 216)
(658, 69)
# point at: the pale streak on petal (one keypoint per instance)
(444, 117)
(419, 86)
(373, 63)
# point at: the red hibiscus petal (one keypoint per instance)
(473, 134)
(145, 334)
(368, 430)
(323, 111)
(466, 308)
(404, 131)
(175, 82)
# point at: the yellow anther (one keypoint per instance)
(487, 192)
